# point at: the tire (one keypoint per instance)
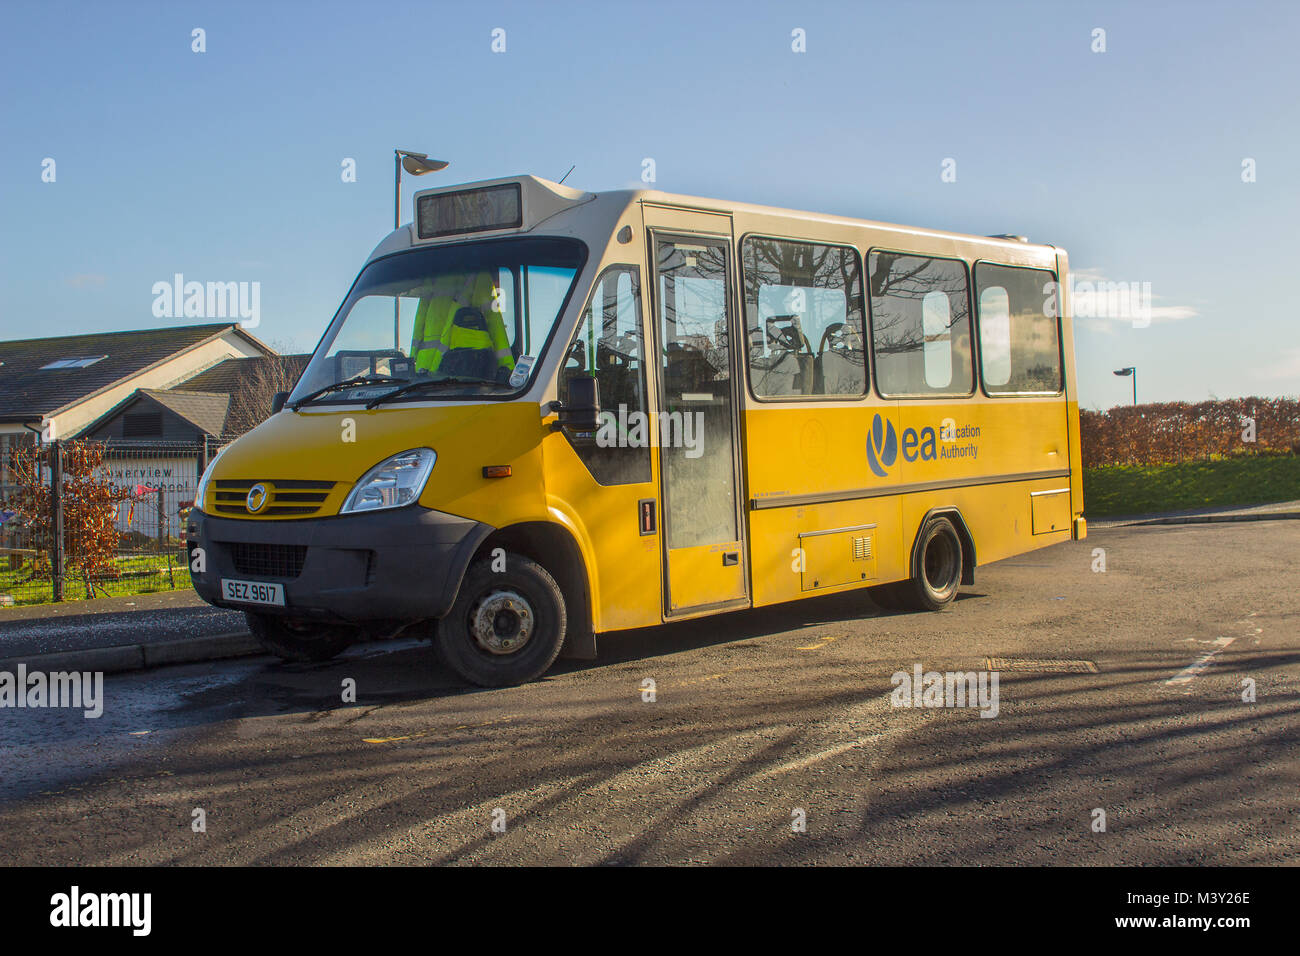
(299, 642)
(506, 627)
(937, 576)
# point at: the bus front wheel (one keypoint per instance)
(937, 574)
(507, 624)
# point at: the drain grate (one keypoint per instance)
(1027, 665)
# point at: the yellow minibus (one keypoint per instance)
(543, 414)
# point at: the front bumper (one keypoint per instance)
(400, 565)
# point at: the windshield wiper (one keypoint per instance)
(429, 383)
(345, 384)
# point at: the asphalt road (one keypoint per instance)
(1119, 691)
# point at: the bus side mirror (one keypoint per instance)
(277, 401)
(581, 413)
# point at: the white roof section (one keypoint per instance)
(543, 200)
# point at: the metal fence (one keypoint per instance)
(80, 520)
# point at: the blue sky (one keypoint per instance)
(225, 165)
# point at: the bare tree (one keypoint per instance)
(250, 400)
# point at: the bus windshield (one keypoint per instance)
(450, 321)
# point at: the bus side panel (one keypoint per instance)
(547, 476)
(812, 450)
(793, 557)
(999, 517)
(624, 568)
(987, 438)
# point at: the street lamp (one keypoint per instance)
(417, 164)
(1130, 371)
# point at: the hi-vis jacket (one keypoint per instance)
(436, 332)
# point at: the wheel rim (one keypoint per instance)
(941, 557)
(502, 622)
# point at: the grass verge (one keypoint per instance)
(1145, 489)
(142, 574)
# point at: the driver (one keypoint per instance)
(436, 332)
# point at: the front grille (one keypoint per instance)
(296, 498)
(268, 560)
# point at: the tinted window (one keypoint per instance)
(920, 325)
(803, 315)
(1019, 345)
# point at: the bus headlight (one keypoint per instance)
(394, 482)
(202, 489)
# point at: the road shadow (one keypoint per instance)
(408, 670)
(1180, 777)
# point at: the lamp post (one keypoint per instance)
(417, 164)
(1131, 371)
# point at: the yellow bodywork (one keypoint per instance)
(548, 483)
(796, 451)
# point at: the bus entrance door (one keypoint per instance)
(705, 558)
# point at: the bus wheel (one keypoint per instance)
(300, 641)
(933, 585)
(506, 627)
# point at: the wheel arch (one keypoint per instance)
(953, 514)
(553, 547)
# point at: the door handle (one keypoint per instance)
(730, 557)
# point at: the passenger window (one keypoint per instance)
(1019, 336)
(609, 346)
(803, 315)
(920, 325)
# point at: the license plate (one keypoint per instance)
(252, 592)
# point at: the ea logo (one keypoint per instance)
(882, 446)
(256, 498)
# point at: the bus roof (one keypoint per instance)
(538, 200)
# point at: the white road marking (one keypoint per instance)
(1193, 670)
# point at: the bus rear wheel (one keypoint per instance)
(506, 627)
(937, 575)
(299, 641)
